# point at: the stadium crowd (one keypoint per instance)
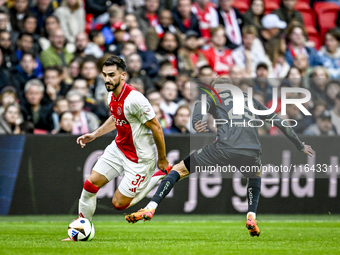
(51, 53)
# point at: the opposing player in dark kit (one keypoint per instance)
(236, 145)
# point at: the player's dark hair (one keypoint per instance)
(220, 80)
(116, 61)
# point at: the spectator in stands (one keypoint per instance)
(271, 29)
(189, 93)
(56, 54)
(320, 78)
(296, 37)
(98, 8)
(330, 53)
(164, 119)
(134, 70)
(331, 90)
(17, 13)
(207, 16)
(147, 15)
(60, 105)
(154, 96)
(84, 122)
(138, 84)
(137, 37)
(65, 123)
(72, 18)
(287, 13)
(85, 47)
(24, 72)
(254, 14)
(279, 66)
(42, 10)
(184, 18)
(80, 85)
(335, 113)
(190, 55)
(8, 54)
(232, 21)
(130, 21)
(155, 33)
(168, 50)
(53, 82)
(169, 92)
(218, 57)
(301, 62)
(251, 52)
(95, 83)
(51, 25)
(166, 69)
(294, 76)
(4, 20)
(9, 120)
(73, 70)
(319, 107)
(33, 109)
(181, 118)
(236, 74)
(323, 126)
(245, 84)
(97, 37)
(8, 95)
(30, 24)
(114, 29)
(205, 72)
(4, 74)
(261, 81)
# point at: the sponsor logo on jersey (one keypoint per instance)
(119, 111)
(119, 122)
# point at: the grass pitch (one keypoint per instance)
(189, 234)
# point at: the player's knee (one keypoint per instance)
(118, 205)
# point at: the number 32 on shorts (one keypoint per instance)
(139, 180)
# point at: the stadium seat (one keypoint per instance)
(327, 14)
(242, 5)
(302, 6)
(271, 6)
(320, 7)
(309, 18)
(304, 1)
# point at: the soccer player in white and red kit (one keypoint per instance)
(136, 148)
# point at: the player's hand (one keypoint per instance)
(163, 163)
(201, 127)
(308, 150)
(84, 139)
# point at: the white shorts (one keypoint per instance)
(136, 176)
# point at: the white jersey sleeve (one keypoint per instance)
(140, 107)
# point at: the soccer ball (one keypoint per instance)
(81, 229)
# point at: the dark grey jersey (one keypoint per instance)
(240, 131)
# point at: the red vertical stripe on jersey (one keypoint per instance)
(124, 138)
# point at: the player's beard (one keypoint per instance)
(114, 85)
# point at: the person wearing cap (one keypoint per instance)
(272, 25)
(323, 126)
(190, 57)
(287, 13)
(251, 52)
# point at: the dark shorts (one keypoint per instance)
(209, 156)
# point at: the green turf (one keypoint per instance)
(205, 234)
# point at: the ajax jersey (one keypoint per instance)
(130, 110)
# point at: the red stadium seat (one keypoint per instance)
(327, 14)
(278, 2)
(302, 6)
(271, 6)
(304, 1)
(309, 18)
(242, 6)
(320, 7)
(315, 37)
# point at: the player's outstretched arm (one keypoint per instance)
(158, 136)
(108, 126)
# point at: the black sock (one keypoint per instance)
(253, 193)
(166, 186)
